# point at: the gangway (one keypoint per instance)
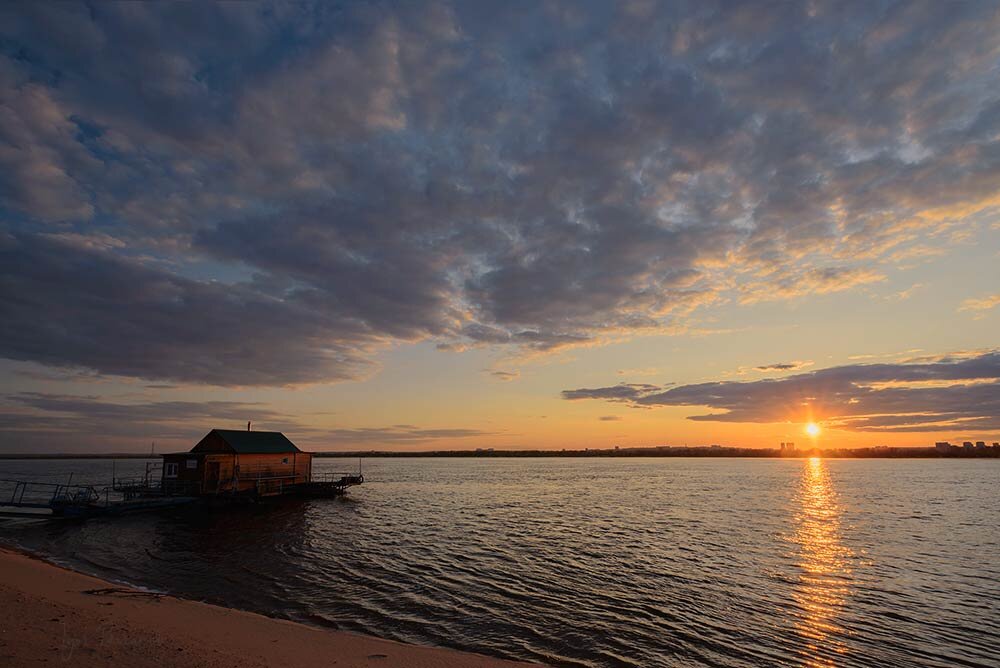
(28, 497)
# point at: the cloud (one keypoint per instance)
(818, 281)
(610, 418)
(504, 375)
(948, 393)
(645, 371)
(784, 366)
(624, 392)
(396, 434)
(463, 174)
(45, 422)
(96, 309)
(980, 305)
(58, 376)
(903, 295)
(39, 152)
(148, 412)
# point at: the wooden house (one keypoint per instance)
(261, 463)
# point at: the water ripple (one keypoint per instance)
(600, 563)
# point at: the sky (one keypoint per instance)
(434, 225)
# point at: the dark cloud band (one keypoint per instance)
(958, 394)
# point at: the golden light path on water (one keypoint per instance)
(824, 584)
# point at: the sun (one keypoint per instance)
(812, 429)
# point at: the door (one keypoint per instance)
(212, 477)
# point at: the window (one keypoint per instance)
(192, 463)
(285, 460)
(171, 470)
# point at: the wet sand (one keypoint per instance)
(50, 616)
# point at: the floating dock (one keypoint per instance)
(28, 498)
(226, 467)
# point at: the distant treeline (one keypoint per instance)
(991, 452)
(881, 452)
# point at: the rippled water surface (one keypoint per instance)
(596, 562)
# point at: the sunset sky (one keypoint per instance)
(510, 225)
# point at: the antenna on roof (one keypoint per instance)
(248, 425)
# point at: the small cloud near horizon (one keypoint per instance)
(505, 376)
(784, 366)
(645, 371)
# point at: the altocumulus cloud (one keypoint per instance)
(959, 392)
(262, 194)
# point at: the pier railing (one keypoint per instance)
(31, 494)
(343, 478)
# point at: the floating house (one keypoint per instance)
(260, 463)
(225, 467)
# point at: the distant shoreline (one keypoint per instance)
(955, 452)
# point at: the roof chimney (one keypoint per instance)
(248, 425)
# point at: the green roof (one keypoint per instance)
(256, 442)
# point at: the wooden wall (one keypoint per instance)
(285, 468)
(188, 477)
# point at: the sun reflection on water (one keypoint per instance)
(824, 583)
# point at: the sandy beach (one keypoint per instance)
(53, 616)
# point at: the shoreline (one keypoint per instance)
(51, 615)
(988, 451)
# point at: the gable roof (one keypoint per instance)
(248, 442)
